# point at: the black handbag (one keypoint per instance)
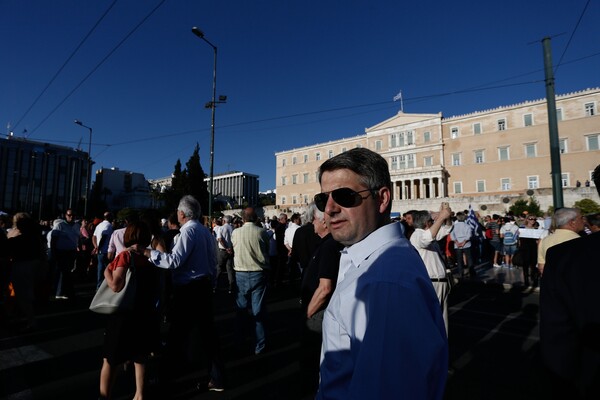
(106, 301)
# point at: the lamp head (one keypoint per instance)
(78, 122)
(198, 32)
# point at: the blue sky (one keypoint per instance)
(296, 73)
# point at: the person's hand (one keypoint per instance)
(445, 212)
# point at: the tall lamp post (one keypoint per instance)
(87, 181)
(213, 105)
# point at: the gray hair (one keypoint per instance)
(190, 207)
(420, 219)
(309, 215)
(563, 216)
(228, 218)
(318, 215)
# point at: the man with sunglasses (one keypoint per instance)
(383, 331)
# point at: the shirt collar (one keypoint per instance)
(380, 237)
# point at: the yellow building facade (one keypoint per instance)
(484, 157)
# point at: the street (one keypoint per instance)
(493, 349)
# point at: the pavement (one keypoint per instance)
(493, 336)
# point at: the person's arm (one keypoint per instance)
(443, 215)
(320, 296)
(406, 355)
(116, 279)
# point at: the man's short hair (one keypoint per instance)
(593, 219)
(249, 215)
(309, 216)
(228, 218)
(420, 219)
(461, 216)
(190, 207)
(563, 216)
(372, 169)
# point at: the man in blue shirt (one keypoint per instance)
(383, 331)
(193, 262)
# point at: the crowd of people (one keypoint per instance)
(373, 291)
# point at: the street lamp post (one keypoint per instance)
(87, 181)
(212, 104)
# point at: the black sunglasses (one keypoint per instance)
(345, 197)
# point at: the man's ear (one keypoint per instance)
(384, 198)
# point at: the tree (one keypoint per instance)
(188, 181)
(532, 207)
(196, 186)
(587, 206)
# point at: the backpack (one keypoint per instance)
(510, 238)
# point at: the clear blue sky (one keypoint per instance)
(284, 65)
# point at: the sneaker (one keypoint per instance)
(214, 387)
(496, 266)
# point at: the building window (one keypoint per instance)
(317, 176)
(528, 120)
(378, 145)
(456, 159)
(477, 128)
(428, 161)
(503, 153)
(305, 158)
(294, 200)
(592, 142)
(559, 115)
(283, 162)
(294, 179)
(330, 154)
(565, 179)
(318, 156)
(401, 162)
(294, 160)
(394, 162)
(402, 139)
(410, 160)
(283, 180)
(410, 138)
(305, 199)
(590, 109)
(530, 150)
(343, 149)
(457, 187)
(427, 136)
(283, 200)
(453, 133)
(480, 186)
(305, 178)
(533, 182)
(479, 157)
(502, 124)
(505, 183)
(562, 146)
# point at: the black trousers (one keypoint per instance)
(193, 326)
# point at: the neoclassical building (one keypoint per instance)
(486, 157)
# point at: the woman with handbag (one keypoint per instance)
(131, 335)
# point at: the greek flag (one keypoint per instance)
(473, 223)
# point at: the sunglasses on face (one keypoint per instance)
(345, 197)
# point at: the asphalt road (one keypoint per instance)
(493, 337)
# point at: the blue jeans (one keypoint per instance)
(251, 288)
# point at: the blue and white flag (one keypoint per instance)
(473, 223)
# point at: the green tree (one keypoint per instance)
(587, 206)
(532, 207)
(196, 186)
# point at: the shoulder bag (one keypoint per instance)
(106, 301)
